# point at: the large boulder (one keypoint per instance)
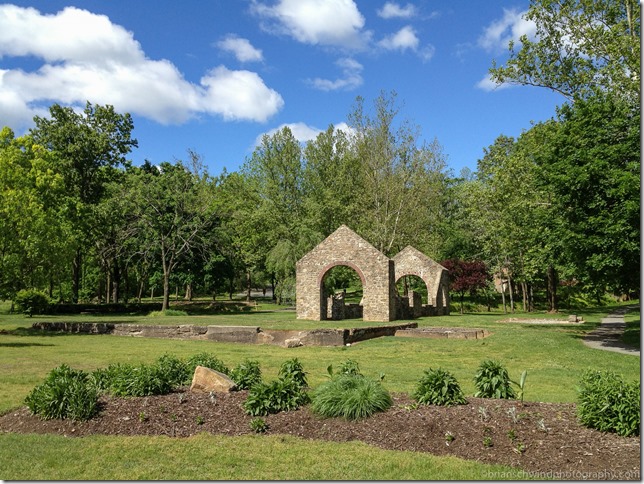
(206, 380)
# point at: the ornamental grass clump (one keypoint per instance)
(65, 393)
(609, 404)
(492, 381)
(350, 394)
(439, 387)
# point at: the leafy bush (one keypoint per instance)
(609, 404)
(351, 396)
(124, 380)
(439, 387)
(292, 370)
(258, 425)
(349, 367)
(280, 395)
(246, 374)
(65, 393)
(167, 312)
(31, 301)
(492, 381)
(173, 370)
(286, 393)
(205, 359)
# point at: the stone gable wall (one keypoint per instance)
(345, 247)
(377, 272)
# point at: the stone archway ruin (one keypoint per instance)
(377, 272)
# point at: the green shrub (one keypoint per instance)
(286, 393)
(167, 312)
(492, 381)
(258, 425)
(246, 374)
(173, 370)
(439, 387)
(31, 301)
(292, 370)
(65, 393)
(280, 395)
(349, 367)
(609, 404)
(205, 359)
(352, 396)
(124, 380)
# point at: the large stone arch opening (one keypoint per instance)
(339, 296)
(345, 247)
(412, 262)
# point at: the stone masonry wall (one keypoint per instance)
(345, 247)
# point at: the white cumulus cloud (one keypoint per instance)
(405, 38)
(394, 10)
(241, 48)
(303, 132)
(511, 26)
(85, 57)
(351, 77)
(336, 23)
(487, 84)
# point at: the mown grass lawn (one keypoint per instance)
(554, 356)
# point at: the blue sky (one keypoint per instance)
(214, 75)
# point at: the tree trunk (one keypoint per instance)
(505, 308)
(511, 292)
(166, 291)
(273, 287)
(140, 294)
(108, 283)
(248, 285)
(188, 292)
(76, 275)
(524, 295)
(552, 289)
(116, 277)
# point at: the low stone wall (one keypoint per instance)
(231, 334)
(450, 333)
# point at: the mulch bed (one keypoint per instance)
(543, 439)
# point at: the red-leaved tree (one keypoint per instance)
(466, 276)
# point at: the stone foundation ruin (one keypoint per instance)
(378, 274)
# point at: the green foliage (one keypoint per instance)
(352, 396)
(349, 367)
(439, 387)
(124, 380)
(280, 395)
(173, 370)
(609, 404)
(246, 374)
(167, 312)
(31, 301)
(66, 393)
(492, 381)
(208, 360)
(292, 370)
(286, 393)
(521, 385)
(258, 425)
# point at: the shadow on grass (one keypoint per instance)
(22, 345)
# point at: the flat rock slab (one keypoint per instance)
(448, 333)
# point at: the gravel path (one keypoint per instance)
(608, 335)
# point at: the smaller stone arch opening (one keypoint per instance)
(409, 283)
(341, 292)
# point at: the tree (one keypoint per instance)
(593, 172)
(87, 146)
(173, 210)
(466, 276)
(581, 47)
(402, 182)
(33, 226)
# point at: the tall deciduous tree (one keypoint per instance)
(581, 47)
(402, 180)
(173, 209)
(87, 146)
